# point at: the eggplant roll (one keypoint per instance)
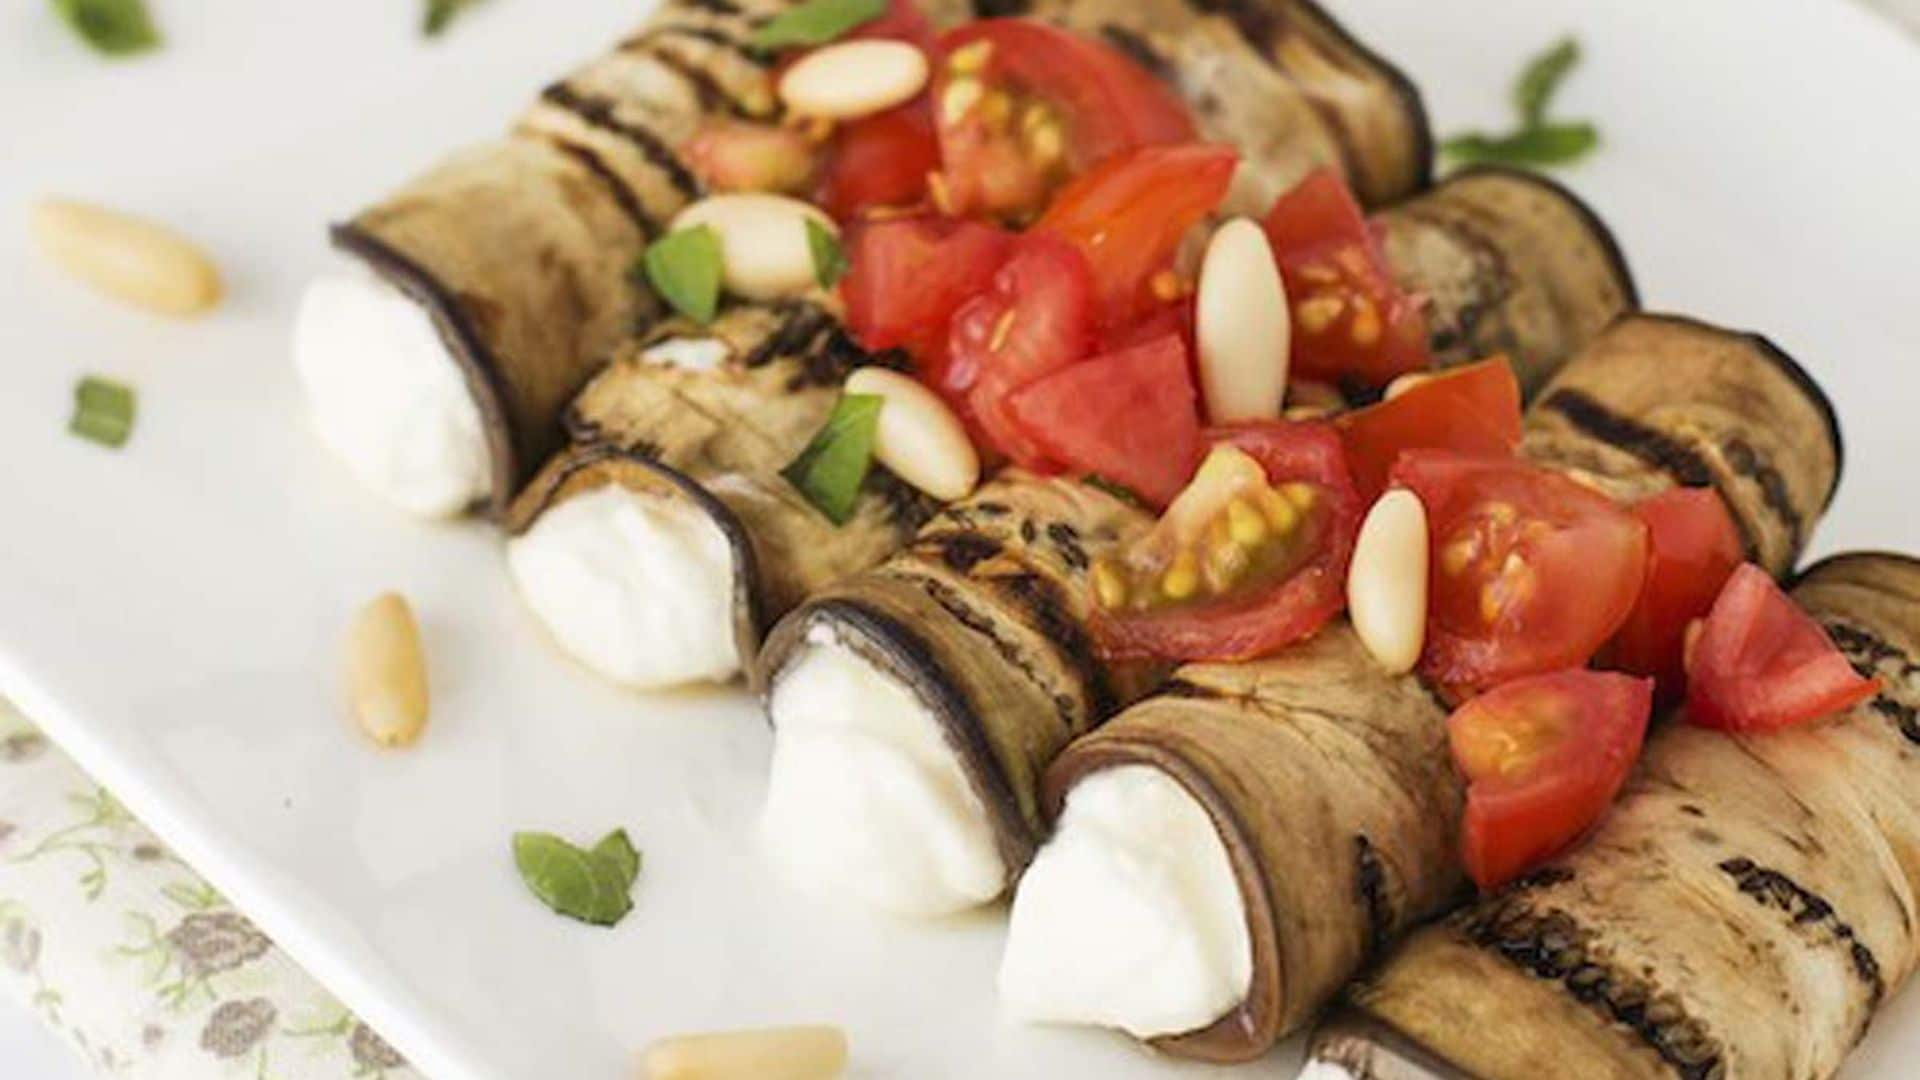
(1327, 782)
(965, 691)
(1740, 914)
(657, 546)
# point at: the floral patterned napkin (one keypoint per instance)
(138, 963)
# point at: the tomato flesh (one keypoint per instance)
(1544, 757)
(880, 161)
(1473, 409)
(1693, 547)
(1299, 464)
(1530, 571)
(906, 278)
(1350, 320)
(1130, 417)
(1762, 664)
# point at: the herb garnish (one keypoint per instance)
(816, 22)
(103, 411)
(684, 267)
(829, 259)
(112, 27)
(591, 885)
(1538, 140)
(1116, 489)
(831, 469)
(440, 15)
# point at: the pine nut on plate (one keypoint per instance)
(127, 257)
(852, 79)
(387, 672)
(763, 241)
(1242, 326)
(1387, 581)
(792, 1053)
(919, 439)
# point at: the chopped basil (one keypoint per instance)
(589, 885)
(440, 15)
(816, 22)
(1116, 489)
(829, 260)
(684, 267)
(112, 27)
(103, 411)
(1542, 78)
(1538, 140)
(831, 469)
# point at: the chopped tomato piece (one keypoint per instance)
(906, 278)
(742, 156)
(1250, 558)
(1762, 664)
(880, 161)
(1350, 320)
(1531, 572)
(1130, 417)
(903, 21)
(1544, 757)
(1474, 409)
(1024, 106)
(1175, 318)
(1693, 547)
(1130, 215)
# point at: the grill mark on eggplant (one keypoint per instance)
(622, 194)
(1066, 540)
(1552, 946)
(1649, 444)
(955, 604)
(1871, 655)
(964, 550)
(716, 7)
(800, 325)
(706, 89)
(1370, 890)
(598, 112)
(711, 35)
(1490, 262)
(1047, 612)
(1809, 912)
(995, 9)
(1746, 461)
(1182, 688)
(1141, 51)
(1257, 23)
(1544, 878)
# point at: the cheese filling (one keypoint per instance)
(1130, 916)
(867, 801)
(388, 398)
(637, 587)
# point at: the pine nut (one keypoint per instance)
(126, 257)
(1242, 326)
(793, 1053)
(1387, 582)
(387, 672)
(852, 79)
(919, 439)
(763, 241)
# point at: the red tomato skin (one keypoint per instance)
(1293, 611)
(880, 161)
(1514, 824)
(1131, 417)
(906, 278)
(1763, 664)
(1587, 569)
(1473, 409)
(1129, 215)
(1694, 547)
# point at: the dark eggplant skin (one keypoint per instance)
(1740, 914)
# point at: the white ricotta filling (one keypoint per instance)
(693, 354)
(1129, 917)
(867, 801)
(388, 398)
(637, 587)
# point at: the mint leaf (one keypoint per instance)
(112, 27)
(816, 22)
(831, 469)
(103, 411)
(440, 14)
(1547, 144)
(829, 260)
(1542, 78)
(591, 886)
(684, 267)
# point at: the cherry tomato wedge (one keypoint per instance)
(903, 21)
(1693, 547)
(1129, 416)
(1024, 106)
(1531, 572)
(1762, 664)
(1130, 215)
(880, 161)
(1350, 320)
(1298, 513)
(1473, 409)
(1544, 757)
(906, 278)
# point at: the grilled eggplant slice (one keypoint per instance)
(1330, 782)
(1741, 913)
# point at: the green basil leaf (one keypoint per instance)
(1116, 489)
(1542, 78)
(829, 259)
(831, 469)
(617, 849)
(684, 267)
(103, 411)
(112, 27)
(590, 886)
(816, 22)
(440, 14)
(1547, 144)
